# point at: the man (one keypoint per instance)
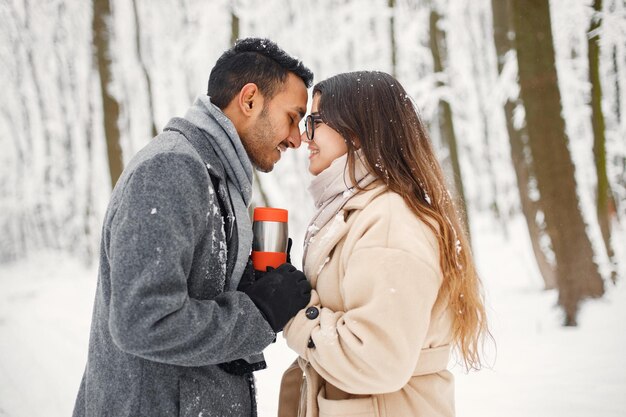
(171, 333)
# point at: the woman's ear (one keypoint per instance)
(356, 142)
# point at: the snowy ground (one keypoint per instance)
(541, 368)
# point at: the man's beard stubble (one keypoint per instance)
(255, 142)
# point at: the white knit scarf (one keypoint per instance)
(331, 190)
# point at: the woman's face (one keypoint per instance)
(327, 144)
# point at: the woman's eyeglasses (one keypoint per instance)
(309, 125)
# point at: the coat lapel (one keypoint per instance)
(217, 174)
(323, 243)
(335, 230)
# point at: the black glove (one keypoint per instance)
(289, 244)
(250, 274)
(280, 294)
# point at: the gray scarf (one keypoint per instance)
(223, 137)
(225, 141)
(331, 190)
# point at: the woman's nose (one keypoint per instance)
(303, 137)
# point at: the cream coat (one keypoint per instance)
(382, 338)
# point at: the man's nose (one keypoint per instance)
(294, 138)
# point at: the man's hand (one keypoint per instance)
(279, 294)
(250, 274)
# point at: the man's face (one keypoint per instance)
(276, 127)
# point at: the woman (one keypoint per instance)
(395, 286)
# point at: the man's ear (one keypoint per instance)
(249, 99)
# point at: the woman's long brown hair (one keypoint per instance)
(373, 112)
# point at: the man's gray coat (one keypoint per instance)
(162, 318)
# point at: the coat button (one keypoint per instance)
(312, 313)
(311, 344)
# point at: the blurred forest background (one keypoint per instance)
(524, 100)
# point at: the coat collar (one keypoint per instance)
(363, 198)
(337, 228)
(216, 171)
(200, 144)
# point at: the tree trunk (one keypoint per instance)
(111, 109)
(577, 274)
(446, 124)
(144, 68)
(67, 98)
(620, 204)
(520, 156)
(24, 153)
(605, 204)
(234, 26)
(392, 37)
(481, 82)
(44, 219)
(89, 252)
(618, 103)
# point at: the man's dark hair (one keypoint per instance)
(253, 60)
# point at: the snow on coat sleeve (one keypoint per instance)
(389, 291)
(161, 217)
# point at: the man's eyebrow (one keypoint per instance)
(301, 112)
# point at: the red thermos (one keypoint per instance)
(270, 231)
